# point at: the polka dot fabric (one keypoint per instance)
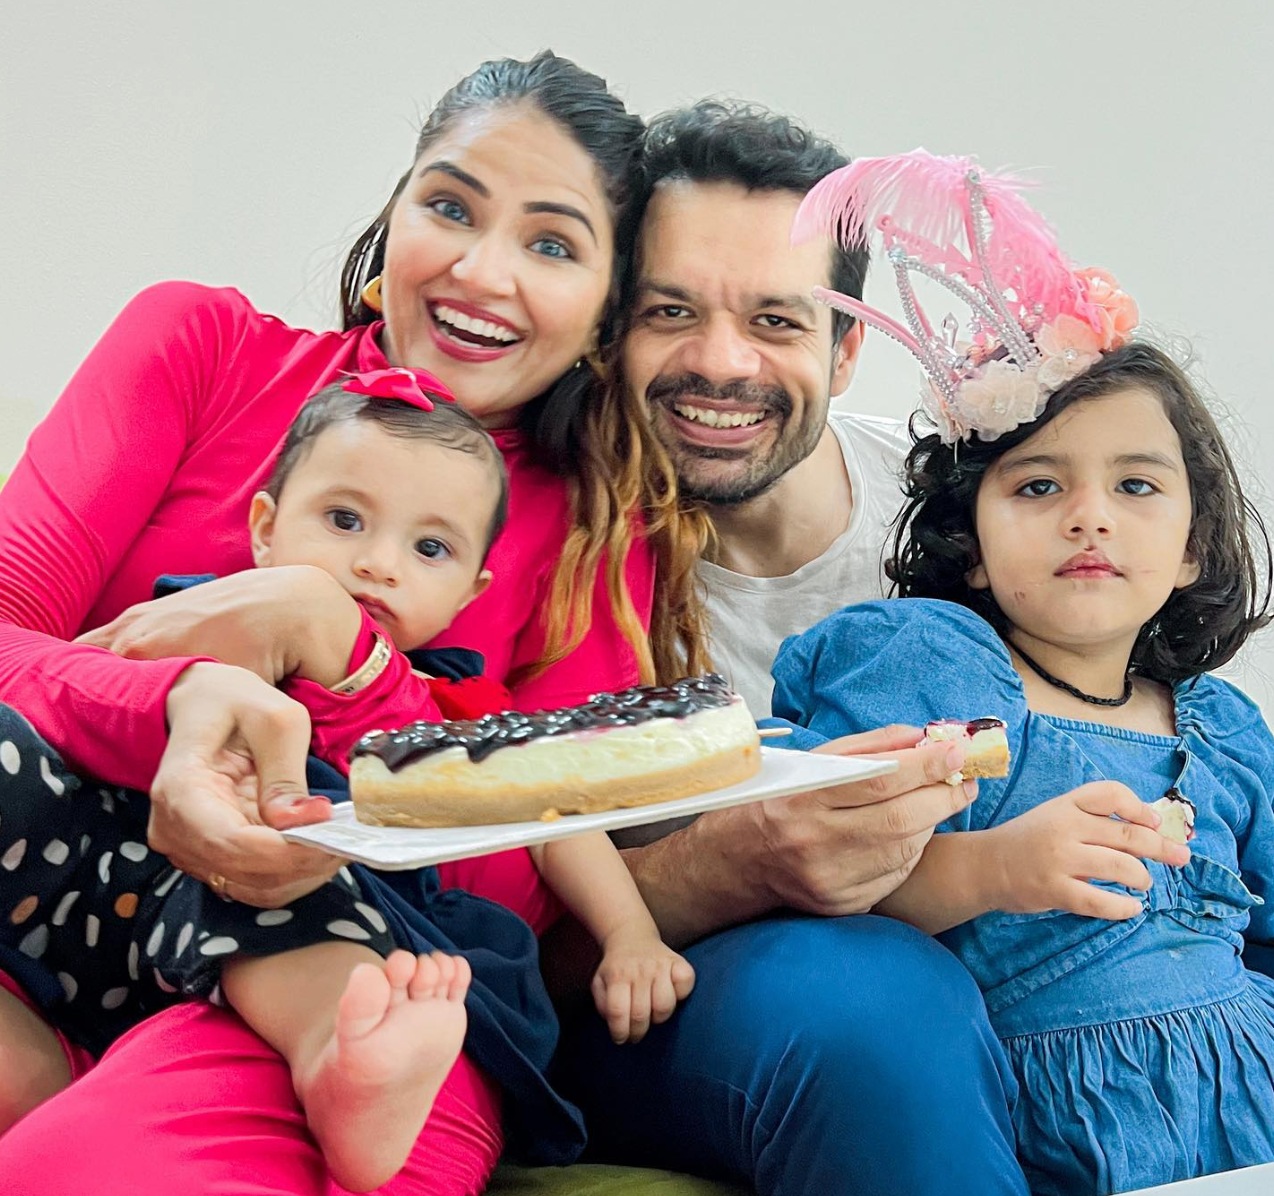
(123, 932)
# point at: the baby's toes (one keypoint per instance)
(461, 977)
(427, 978)
(400, 968)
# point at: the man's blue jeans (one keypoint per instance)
(815, 1057)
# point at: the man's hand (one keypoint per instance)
(234, 769)
(267, 621)
(833, 851)
(639, 981)
(1044, 859)
(840, 850)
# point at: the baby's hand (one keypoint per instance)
(1044, 859)
(638, 982)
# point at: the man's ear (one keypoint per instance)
(261, 526)
(480, 584)
(845, 359)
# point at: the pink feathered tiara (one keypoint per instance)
(1037, 321)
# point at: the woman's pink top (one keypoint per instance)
(147, 465)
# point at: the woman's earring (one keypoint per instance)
(369, 296)
(594, 364)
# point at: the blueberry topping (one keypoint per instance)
(480, 737)
(975, 725)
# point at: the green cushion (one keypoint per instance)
(589, 1179)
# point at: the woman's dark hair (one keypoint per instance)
(578, 101)
(596, 436)
(1201, 626)
(447, 424)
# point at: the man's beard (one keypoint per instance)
(759, 470)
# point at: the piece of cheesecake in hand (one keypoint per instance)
(1176, 813)
(986, 746)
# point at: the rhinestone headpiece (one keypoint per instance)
(1037, 321)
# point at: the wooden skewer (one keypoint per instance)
(773, 732)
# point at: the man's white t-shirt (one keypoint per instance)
(749, 617)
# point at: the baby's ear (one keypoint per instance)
(261, 526)
(480, 584)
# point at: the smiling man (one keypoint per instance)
(825, 1051)
(738, 365)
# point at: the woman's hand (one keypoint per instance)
(1044, 859)
(263, 620)
(233, 770)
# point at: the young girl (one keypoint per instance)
(396, 499)
(1079, 556)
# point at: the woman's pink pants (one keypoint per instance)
(193, 1102)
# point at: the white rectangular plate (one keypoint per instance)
(1248, 1181)
(394, 848)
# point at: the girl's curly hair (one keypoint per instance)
(1201, 626)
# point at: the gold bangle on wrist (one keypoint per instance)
(375, 664)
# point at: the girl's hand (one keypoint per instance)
(234, 769)
(639, 981)
(263, 620)
(1043, 859)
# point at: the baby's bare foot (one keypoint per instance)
(399, 1029)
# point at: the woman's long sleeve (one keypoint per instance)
(90, 480)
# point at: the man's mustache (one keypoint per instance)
(770, 399)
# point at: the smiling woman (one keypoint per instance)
(513, 227)
(496, 263)
(499, 248)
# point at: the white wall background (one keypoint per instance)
(245, 142)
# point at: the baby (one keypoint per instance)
(400, 503)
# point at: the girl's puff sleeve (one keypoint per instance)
(900, 660)
(1239, 747)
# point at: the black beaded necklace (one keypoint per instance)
(1122, 700)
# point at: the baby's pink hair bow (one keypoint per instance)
(416, 387)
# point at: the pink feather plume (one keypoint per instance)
(920, 201)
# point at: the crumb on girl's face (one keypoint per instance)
(401, 523)
(1082, 528)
